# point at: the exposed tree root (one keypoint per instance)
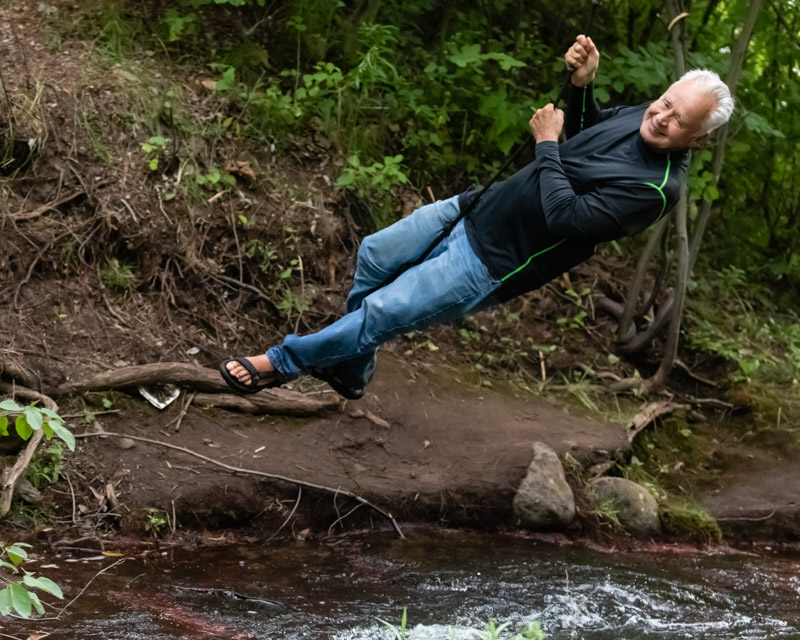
(201, 379)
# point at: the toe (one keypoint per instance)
(238, 372)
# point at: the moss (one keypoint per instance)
(689, 520)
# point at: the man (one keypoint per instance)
(619, 171)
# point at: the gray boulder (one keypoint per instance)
(636, 509)
(544, 500)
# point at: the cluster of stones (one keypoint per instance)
(545, 500)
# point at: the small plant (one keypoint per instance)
(576, 320)
(215, 179)
(493, 631)
(18, 595)
(399, 632)
(607, 513)
(374, 182)
(119, 276)
(154, 149)
(691, 521)
(263, 253)
(32, 418)
(47, 467)
(155, 521)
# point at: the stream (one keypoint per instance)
(452, 583)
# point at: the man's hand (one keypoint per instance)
(584, 58)
(546, 123)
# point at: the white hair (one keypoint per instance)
(711, 83)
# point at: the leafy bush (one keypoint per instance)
(29, 419)
(18, 596)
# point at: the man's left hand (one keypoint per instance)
(546, 123)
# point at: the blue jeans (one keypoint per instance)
(449, 283)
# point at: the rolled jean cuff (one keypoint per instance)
(283, 369)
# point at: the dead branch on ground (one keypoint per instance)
(202, 379)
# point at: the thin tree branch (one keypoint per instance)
(252, 472)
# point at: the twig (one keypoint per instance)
(714, 402)
(161, 206)
(682, 365)
(130, 209)
(72, 493)
(285, 522)
(340, 518)
(302, 293)
(238, 247)
(96, 575)
(184, 410)
(746, 519)
(249, 287)
(253, 472)
(50, 206)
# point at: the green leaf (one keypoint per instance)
(10, 405)
(153, 164)
(48, 431)
(45, 584)
(37, 604)
(34, 418)
(5, 602)
(50, 413)
(23, 428)
(3, 425)
(107, 403)
(469, 54)
(65, 434)
(228, 80)
(17, 554)
(20, 599)
(345, 180)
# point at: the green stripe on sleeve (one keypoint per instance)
(528, 261)
(661, 187)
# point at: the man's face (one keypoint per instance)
(676, 119)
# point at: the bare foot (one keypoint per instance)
(261, 363)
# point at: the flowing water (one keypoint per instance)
(451, 582)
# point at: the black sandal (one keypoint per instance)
(267, 379)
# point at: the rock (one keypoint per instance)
(126, 443)
(544, 500)
(636, 509)
(25, 490)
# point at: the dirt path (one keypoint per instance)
(452, 452)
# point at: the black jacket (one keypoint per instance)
(603, 183)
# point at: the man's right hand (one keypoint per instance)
(584, 58)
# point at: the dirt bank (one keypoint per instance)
(424, 444)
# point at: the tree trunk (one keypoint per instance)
(732, 80)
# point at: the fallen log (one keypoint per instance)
(298, 404)
(203, 379)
